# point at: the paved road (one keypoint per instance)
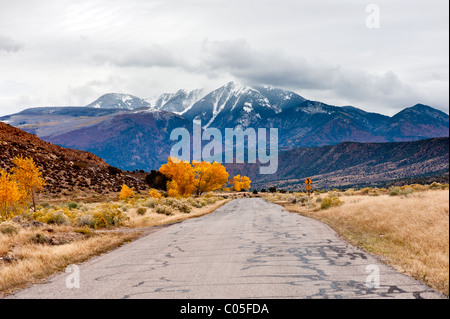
(246, 249)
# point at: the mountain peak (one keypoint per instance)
(423, 110)
(118, 101)
(236, 87)
(178, 102)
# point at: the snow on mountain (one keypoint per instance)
(234, 102)
(118, 101)
(240, 105)
(178, 102)
(280, 99)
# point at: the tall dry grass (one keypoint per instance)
(409, 232)
(37, 261)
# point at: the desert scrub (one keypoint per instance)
(185, 208)
(164, 209)
(406, 190)
(436, 186)
(72, 205)
(85, 230)
(53, 216)
(419, 188)
(365, 191)
(151, 203)
(394, 191)
(85, 220)
(125, 208)
(211, 200)
(350, 192)
(9, 229)
(328, 202)
(141, 211)
(39, 239)
(337, 194)
(108, 215)
(194, 203)
(398, 191)
(373, 192)
(101, 217)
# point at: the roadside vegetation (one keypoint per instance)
(40, 238)
(406, 227)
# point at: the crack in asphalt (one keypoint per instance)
(248, 248)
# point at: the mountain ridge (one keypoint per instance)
(351, 163)
(124, 138)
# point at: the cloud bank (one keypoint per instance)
(70, 52)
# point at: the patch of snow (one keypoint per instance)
(217, 109)
(314, 109)
(193, 97)
(126, 98)
(248, 107)
(150, 110)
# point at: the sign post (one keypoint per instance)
(308, 183)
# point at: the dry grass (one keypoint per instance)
(33, 262)
(410, 232)
(28, 254)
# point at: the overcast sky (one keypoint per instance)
(68, 53)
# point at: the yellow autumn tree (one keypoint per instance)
(10, 195)
(209, 176)
(182, 177)
(154, 194)
(240, 183)
(187, 179)
(28, 177)
(126, 192)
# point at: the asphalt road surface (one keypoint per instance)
(248, 248)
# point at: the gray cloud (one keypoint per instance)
(9, 45)
(241, 61)
(320, 49)
(149, 56)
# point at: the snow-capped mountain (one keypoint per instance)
(178, 102)
(233, 103)
(118, 101)
(238, 105)
(142, 126)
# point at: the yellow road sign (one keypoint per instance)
(308, 181)
(308, 188)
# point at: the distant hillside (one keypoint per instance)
(129, 141)
(352, 163)
(64, 169)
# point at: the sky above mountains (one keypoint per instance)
(58, 53)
